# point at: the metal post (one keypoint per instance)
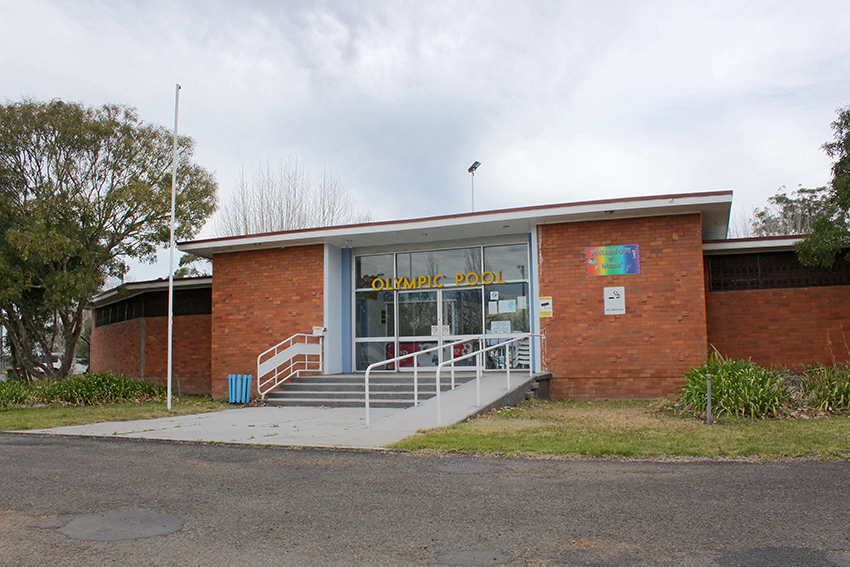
(415, 381)
(478, 363)
(171, 247)
(508, 364)
(708, 399)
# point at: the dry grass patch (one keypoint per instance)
(633, 429)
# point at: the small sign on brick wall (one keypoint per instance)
(615, 300)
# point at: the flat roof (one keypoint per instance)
(751, 245)
(131, 289)
(714, 208)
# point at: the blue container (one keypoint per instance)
(240, 388)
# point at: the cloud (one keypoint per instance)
(560, 101)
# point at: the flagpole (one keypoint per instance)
(171, 244)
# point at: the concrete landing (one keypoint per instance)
(315, 427)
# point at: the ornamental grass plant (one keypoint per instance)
(826, 388)
(738, 387)
(744, 389)
(82, 390)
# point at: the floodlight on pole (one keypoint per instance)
(171, 245)
(471, 170)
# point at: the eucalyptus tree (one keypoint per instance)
(82, 191)
(830, 228)
(821, 215)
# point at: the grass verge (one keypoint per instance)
(634, 429)
(21, 418)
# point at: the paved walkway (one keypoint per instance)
(307, 427)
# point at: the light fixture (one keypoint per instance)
(471, 171)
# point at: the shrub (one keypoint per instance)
(738, 387)
(827, 387)
(85, 389)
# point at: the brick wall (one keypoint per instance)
(118, 347)
(781, 327)
(260, 298)
(644, 353)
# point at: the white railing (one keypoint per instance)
(504, 342)
(413, 355)
(479, 354)
(299, 353)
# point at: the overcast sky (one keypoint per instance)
(559, 101)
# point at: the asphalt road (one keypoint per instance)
(69, 501)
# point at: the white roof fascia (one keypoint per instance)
(714, 208)
(751, 245)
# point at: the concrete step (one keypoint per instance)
(340, 403)
(389, 390)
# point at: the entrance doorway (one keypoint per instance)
(407, 302)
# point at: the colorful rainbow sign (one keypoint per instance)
(612, 260)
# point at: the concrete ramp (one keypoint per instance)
(319, 426)
(461, 403)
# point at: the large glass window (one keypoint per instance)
(400, 314)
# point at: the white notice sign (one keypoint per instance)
(615, 300)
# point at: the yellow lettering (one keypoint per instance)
(499, 276)
(484, 278)
(422, 281)
(469, 280)
(408, 284)
(458, 279)
(397, 283)
(377, 284)
(435, 281)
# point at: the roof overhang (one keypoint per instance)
(714, 208)
(131, 289)
(750, 245)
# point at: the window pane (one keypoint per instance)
(511, 260)
(370, 353)
(462, 311)
(506, 308)
(367, 268)
(440, 262)
(375, 316)
(417, 311)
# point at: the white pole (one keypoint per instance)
(171, 245)
(472, 190)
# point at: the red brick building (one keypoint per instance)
(629, 294)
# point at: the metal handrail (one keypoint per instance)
(286, 369)
(415, 370)
(478, 368)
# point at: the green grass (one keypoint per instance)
(634, 429)
(20, 418)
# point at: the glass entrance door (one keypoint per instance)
(418, 318)
(422, 325)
